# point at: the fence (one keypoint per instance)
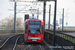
(61, 39)
(11, 28)
(72, 28)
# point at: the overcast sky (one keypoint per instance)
(68, 5)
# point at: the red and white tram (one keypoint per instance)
(34, 30)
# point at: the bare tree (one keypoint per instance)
(9, 21)
(19, 22)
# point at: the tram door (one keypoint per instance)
(26, 31)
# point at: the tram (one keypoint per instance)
(34, 31)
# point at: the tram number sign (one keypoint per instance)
(33, 40)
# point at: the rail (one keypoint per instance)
(5, 42)
(28, 46)
(2, 46)
(16, 43)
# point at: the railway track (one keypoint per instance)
(41, 47)
(36, 46)
(4, 37)
(10, 43)
(17, 43)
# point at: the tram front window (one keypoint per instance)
(34, 27)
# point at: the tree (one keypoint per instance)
(19, 22)
(9, 22)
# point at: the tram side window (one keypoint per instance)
(42, 29)
(26, 29)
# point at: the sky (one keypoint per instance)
(68, 5)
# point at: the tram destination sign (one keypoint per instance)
(34, 22)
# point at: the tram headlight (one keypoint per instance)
(39, 38)
(29, 37)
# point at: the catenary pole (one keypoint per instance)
(14, 17)
(49, 16)
(54, 29)
(63, 20)
(44, 12)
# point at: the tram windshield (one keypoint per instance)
(34, 27)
